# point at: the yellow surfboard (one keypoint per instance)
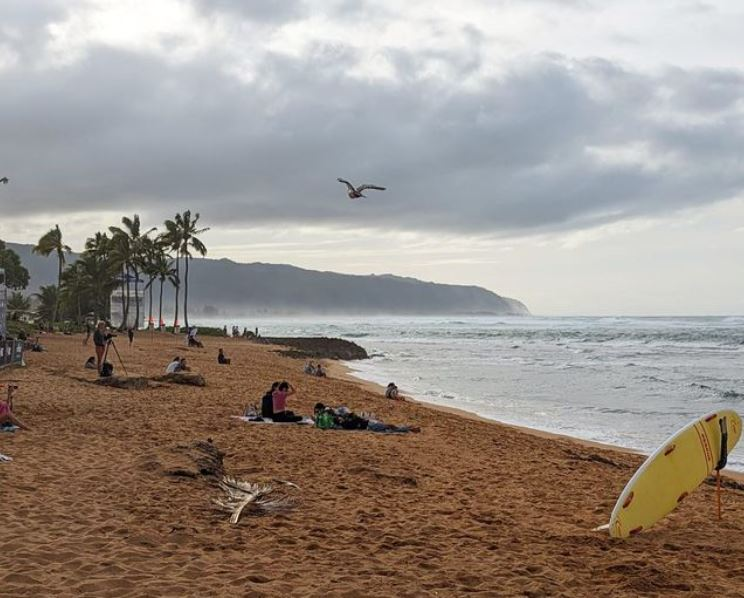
(677, 467)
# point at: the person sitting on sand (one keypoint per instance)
(7, 417)
(191, 339)
(267, 402)
(90, 364)
(391, 392)
(36, 346)
(174, 366)
(221, 359)
(310, 368)
(279, 403)
(319, 371)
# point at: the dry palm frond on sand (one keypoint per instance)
(258, 499)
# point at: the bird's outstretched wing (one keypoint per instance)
(348, 184)
(5, 180)
(375, 187)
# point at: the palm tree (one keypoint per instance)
(101, 272)
(48, 243)
(189, 241)
(121, 256)
(163, 270)
(130, 241)
(48, 300)
(74, 289)
(173, 239)
(153, 259)
(17, 305)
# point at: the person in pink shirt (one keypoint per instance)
(6, 411)
(279, 399)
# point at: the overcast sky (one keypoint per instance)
(583, 156)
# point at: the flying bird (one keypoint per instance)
(5, 180)
(356, 192)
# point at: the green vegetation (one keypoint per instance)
(119, 258)
(16, 276)
(51, 242)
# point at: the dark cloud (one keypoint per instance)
(516, 152)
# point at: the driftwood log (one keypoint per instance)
(134, 382)
(182, 378)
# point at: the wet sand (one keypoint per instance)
(466, 507)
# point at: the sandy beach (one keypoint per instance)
(466, 507)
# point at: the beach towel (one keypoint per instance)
(306, 421)
(5, 458)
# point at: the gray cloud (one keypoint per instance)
(263, 11)
(125, 131)
(23, 26)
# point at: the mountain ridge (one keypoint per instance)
(223, 287)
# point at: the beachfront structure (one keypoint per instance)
(10, 351)
(118, 300)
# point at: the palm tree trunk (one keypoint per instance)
(126, 320)
(136, 299)
(160, 310)
(186, 292)
(124, 305)
(59, 287)
(178, 288)
(149, 317)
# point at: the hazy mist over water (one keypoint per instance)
(625, 381)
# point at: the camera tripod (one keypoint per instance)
(110, 343)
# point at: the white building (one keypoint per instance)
(118, 300)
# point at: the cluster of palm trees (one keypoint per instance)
(117, 259)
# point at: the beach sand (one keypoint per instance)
(466, 507)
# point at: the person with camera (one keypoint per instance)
(100, 338)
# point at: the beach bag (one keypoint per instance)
(324, 420)
(107, 370)
(267, 405)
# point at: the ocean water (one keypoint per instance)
(631, 382)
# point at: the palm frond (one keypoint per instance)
(254, 498)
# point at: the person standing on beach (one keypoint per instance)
(99, 340)
(130, 334)
(88, 330)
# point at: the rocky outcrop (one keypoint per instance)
(317, 348)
